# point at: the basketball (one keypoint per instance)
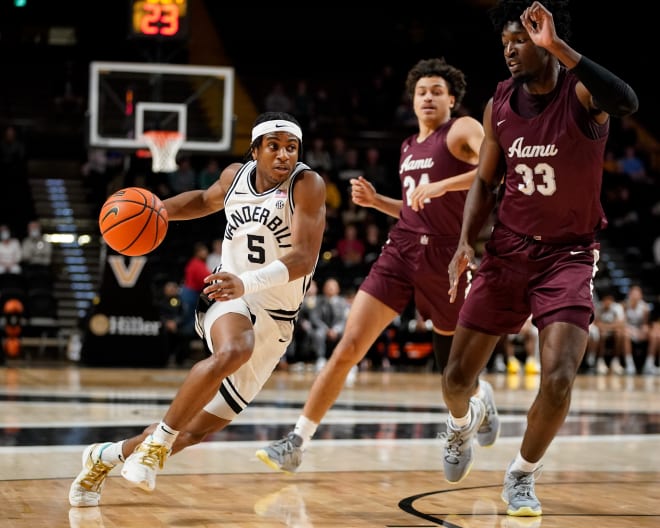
(133, 221)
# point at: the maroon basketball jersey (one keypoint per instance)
(553, 170)
(427, 162)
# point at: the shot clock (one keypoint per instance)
(159, 19)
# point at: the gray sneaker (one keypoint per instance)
(489, 430)
(519, 494)
(284, 454)
(458, 454)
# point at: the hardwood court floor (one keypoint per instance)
(375, 461)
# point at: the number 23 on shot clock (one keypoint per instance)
(164, 19)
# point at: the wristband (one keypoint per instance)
(274, 274)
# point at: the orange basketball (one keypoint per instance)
(133, 221)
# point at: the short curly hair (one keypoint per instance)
(437, 68)
(506, 11)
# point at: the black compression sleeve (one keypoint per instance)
(609, 92)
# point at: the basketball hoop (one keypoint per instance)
(163, 145)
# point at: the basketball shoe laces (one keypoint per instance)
(524, 484)
(152, 454)
(486, 426)
(454, 441)
(95, 476)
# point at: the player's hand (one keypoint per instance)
(539, 24)
(425, 192)
(223, 286)
(363, 193)
(462, 259)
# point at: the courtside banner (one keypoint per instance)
(124, 328)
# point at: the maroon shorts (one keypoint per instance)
(518, 276)
(414, 266)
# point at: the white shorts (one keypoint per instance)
(271, 339)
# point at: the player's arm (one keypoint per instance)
(364, 194)
(189, 205)
(599, 90)
(464, 142)
(308, 225)
(480, 201)
(481, 196)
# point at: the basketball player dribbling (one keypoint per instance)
(275, 209)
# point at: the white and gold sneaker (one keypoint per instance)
(86, 489)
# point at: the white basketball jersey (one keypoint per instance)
(258, 232)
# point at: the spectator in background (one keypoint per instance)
(610, 319)
(303, 105)
(325, 112)
(69, 103)
(354, 214)
(373, 243)
(352, 167)
(333, 202)
(329, 318)
(36, 250)
(318, 156)
(194, 274)
(277, 100)
(333, 197)
(309, 339)
(633, 166)
(184, 178)
(172, 318)
(637, 313)
(214, 258)
(375, 172)
(354, 117)
(350, 249)
(404, 114)
(10, 252)
(209, 174)
(528, 337)
(611, 166)
(95, 176)
(377, 107)
(338, 153)
(12, 152)
(653, 351)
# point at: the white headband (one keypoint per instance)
(277, 125)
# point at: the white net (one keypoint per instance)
(163, 146)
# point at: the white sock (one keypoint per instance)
(459, 423)
(480, 391)
(164, 434)
(520, 464)
(305, 429)
(111, 453)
